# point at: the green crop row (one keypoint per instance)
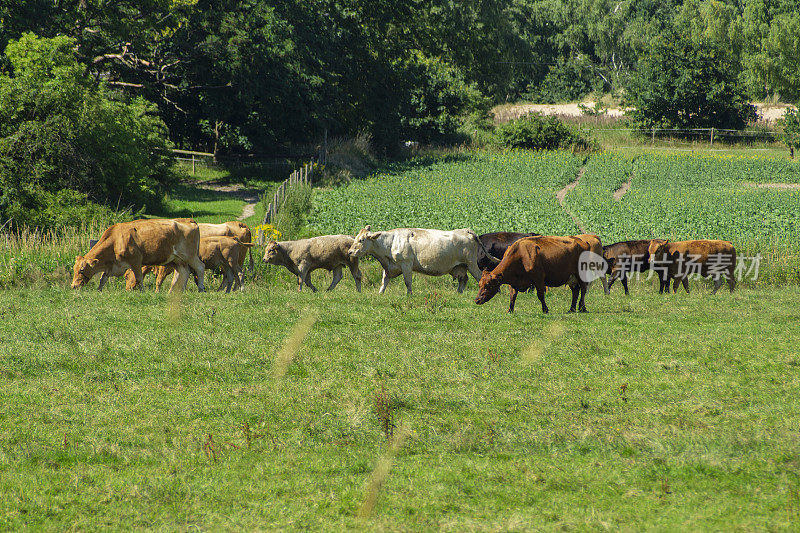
(675, 196)
(512, 191)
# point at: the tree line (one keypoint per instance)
(261, 75)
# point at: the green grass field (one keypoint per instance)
(277, 410)
(129, 410)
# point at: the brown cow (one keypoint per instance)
(677, 260)
(130, 245)
(539, 262)
(234, 228)
(626, 257)
(215, 252)
(304, 256)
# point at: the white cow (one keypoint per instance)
(428, 251)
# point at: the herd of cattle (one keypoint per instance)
(521, 260)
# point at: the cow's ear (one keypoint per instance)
(367, 228)
(374, 235)
(93, 262)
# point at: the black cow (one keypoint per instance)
(497, 244)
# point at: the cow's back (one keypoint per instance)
(557, 257)
(437, 252)
(325, 249)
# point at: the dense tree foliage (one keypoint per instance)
(258, 75)
(688, 83)
(64, 139)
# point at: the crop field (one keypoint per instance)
(270, 409)
(675, 196)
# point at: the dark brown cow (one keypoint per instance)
(496, 245)
(625, 257)
(680, 259)
(537, 262)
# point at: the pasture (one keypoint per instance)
(273, 409)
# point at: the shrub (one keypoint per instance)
(59, 131)
(538, 132)
(790, 130)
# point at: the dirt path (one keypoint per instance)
(562, 194)
(248, 196)
(503, 113)
(619, 193)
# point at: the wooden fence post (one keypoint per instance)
(654, 136)
(712, 136)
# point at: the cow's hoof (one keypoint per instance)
(582, 310)
(571, 309)
(545, 310)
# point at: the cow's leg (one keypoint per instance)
(513, 299)
(137, 272)
(611, 279)
(462, 283)
(718, 281)
(576, 289)
(199, 270)
(685, 282)
(624, 282)
(307, 281)
(356, 272)
(299, 283)
(103, 281)
(337, 277)
(731, 280)
(407, 273)
(540, 291)
(604, 282)
(161, 275)
(385, 281)
(581, 305)
(180, 278)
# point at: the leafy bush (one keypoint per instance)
(790, 130)
(538, 132)
(64, 140)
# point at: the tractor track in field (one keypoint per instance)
(619, 193)
(562, 194)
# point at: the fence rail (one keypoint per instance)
(709, 134)
(302, 176)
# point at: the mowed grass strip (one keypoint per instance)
(650, 411)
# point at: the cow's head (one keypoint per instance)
(273, 253)
(658, 250)
(83, 271)
(488, 286)
(364, 243)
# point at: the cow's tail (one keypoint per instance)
(492, 258)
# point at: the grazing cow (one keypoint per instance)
(496, 244)
(130, 245)
(625, 257)
(215, 252)
(304, 256)
(678, 260)
(538, 262)
(596, 247)
(235, 229)
(427, 251)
